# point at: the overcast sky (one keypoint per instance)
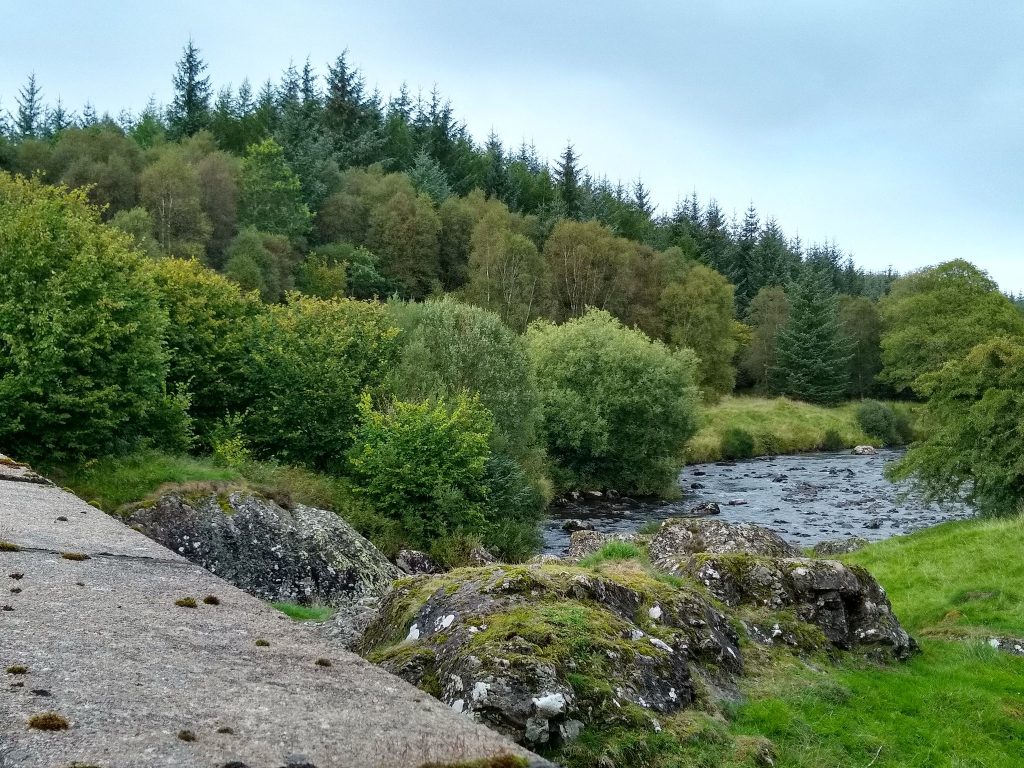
(896, 128)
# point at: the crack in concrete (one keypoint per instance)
(111, 556)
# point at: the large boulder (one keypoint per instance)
(845, 603)
(680, 537)
(301, 554)
(833, 547)
(587, 542)
(538, 651)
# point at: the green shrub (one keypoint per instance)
(82, 362)
(310, 361)
(833, 441)
(737, 444)
(207, 338)
(972, 425)
(878, 420)
(424, 465)
(903, 427)
(618, 407)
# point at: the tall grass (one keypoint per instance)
(777, 426)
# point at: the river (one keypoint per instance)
(805, 498)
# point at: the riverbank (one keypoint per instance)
(779, 426)
(958, 702)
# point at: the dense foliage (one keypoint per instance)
(974, 420)
(82, 362)
(938, 314)
(618, 407)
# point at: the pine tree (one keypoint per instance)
(772, 263)
(189, 112)
(742, 271)
(567, 183)
(813, 354)
(88, 119)
(58, 119)
(495, 177)
(29, 122)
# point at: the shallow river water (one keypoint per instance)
(805, 498)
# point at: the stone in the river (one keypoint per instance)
(874, 523)
(865, 450)
(704, 510)
(831, 547)
(679, 537)
(575, 524)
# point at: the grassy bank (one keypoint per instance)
(777, 426)
(957, 704)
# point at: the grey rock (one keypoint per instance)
(706, 509)
(575, 524)
(864, 450)
(832, 547)
(846, 603)
(679, 537)
(583, 543)
(303, 555)
(414, 562)
(508, 679)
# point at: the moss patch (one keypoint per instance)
(9, 546)
(48, 721)
(186, 602)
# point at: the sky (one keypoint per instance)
(895, 128)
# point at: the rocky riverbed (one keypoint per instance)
(806, 498)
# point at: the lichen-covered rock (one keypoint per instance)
(832, 547)
(846, 603)
(864, 450)
(302, 555)
(414, 562)
(535, 651)
(680, 537)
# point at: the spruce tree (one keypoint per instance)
(813, 354)
(29, 121)
(189, 112)
(567, 183)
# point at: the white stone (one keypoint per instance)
(414, 633)
(550, 704)
(480, 691)
(654, 612)
(459, 705)
(661, 644)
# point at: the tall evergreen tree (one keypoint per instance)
(58, 119)
(189, 112)
(29, 121)
(495, 177)
(813, 353)
(567, 183)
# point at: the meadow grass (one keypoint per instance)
(778, 426)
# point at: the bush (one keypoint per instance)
(878, 420)
(771, 444)
(207, 337)
(310, 362)
(833, 441)
(618, 407)
(972, 424)
(737, 444)
(424, 465)
(448, 349)
(82, 364)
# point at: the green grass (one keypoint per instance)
(612, 551)
(958, 704)
(778, 425)
(114, 482)
(305, 612)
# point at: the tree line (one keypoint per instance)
(319, 185)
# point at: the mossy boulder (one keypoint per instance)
(536, 651)
(846, 603)
(301, 554)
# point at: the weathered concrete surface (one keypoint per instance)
(107, 648)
